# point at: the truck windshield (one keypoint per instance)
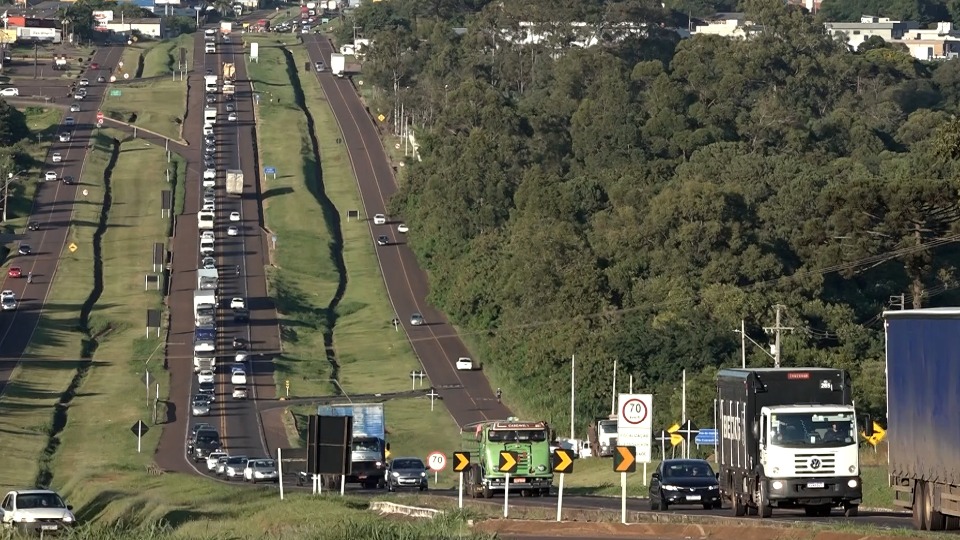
(517, 435)
(813, 429)
(608, 428)
(369, 445)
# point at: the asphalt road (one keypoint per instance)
(466, 394)
(53, 210)
(238, 421)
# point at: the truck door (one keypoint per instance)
(762, 439)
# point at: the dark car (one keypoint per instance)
(383, 240)
(204, 442)
(69, 180)
(241, 315)
(24, 249)
(684, 481)
(33, 226)
(406, 472)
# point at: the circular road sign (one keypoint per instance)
(634, 411)
(99, 115)
(436, 461)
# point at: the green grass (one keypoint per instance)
(44, 122)
(305, 278)
(51, 359)
(163, 57)
(158, 105)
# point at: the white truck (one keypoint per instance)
(204, 360)
(337, 64)
(201, 299)
(210, 83)
(226, 27)
(207, 279)
(210, 115)
(234, 182)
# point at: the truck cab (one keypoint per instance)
(530, 441)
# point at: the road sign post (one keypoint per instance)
(635, 426)
(562, 463)
(688, 431)
(139, 429)
(508, 464)
(437, 461)
(624, 461)
(461, 462)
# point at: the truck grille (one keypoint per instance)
(815, 464)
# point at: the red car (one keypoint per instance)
(94, 65)
(15, 272)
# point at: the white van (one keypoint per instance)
(210, 48)
(205, 220)
(204, 347)
(210, 115)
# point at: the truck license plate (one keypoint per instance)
(519, 480)
(816, 485)
(693, 497)
(48, 527)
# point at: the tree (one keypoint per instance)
(13, 125)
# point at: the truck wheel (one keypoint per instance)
(919, 513)
(936, 521)
(952, 523)
(763, 502)
(739, 509)
(851, 510)
(487, 492)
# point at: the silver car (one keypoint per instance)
(260, 470)
(200, 407)
(406, 472)
(416, 319)
(214, 459)
(233, 468)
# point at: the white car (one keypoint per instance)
(237, 303)
(239, 392)
(402, 228)
(207, 130)
(379, 219)
(206, 248)
(65, 137)
(238, 377)
(209, 263)
(464, 363)
(50, 176)
(57, 157)
(205, 375)
(213, 458)
(232, 117)
(9, 92)
(208, 207)
(240, 356)
(36, 510)
(233, 230)
(209, 174)
(84, 82)
(207, 235)
(234, 216)
(8, 300)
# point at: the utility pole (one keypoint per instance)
(899, 301)
(743, 344)
(777, 330)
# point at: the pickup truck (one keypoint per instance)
(36, 511)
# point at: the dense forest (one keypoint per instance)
(634, 201)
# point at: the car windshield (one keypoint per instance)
(519, 435)
(40, 500)
(264, 464)
(408, 464)
(687, 470)
(813, 429)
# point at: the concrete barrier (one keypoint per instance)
(412, 511)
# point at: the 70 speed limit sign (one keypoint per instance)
(436, 461)
(635, 423)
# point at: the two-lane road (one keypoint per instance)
(466, 394)
(53, 211)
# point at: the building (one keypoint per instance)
(732, 25)
(148, 27)
(870, 26)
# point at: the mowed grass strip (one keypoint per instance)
(163, 58)
(98, 441)
(158, 105)
(44, 122)
(51, 359)
(304, 279)
(373, 356)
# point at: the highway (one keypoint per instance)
(238, 421)
(53, 210)
(466, 394)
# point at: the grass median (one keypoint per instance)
(157, 105)
(371, 357)
(154, 58)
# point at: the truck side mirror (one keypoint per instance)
(867, 425)
(388, 447)
(656, 476)
(717, 475)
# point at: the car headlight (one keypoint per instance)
(258, 473)
(396, 475)
(423, 474)
(68, 518)
(714, 487)
(541, 468)
(379, 464)
(777, 485)
(28, 519)
(670, 488)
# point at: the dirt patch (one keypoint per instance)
(640, 531)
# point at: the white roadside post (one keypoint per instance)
(561, 463)
(280, 470)
(461, 462)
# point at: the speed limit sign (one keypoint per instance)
(436, 461)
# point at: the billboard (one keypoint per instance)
(101, 18)
(254, 50)
(8, 35)
(38, 33)
(167, 2)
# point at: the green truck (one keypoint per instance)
(530, 441)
